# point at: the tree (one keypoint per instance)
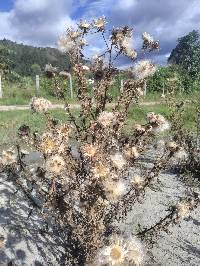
(160, 80)
(5, 62)
(187, 53)
(36, 69)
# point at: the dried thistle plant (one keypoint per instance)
(185, 141)
(84, 178)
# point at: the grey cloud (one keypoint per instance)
(166, 20)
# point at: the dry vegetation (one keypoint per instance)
(84, 181)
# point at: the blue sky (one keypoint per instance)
(41, 22)
(6, 5)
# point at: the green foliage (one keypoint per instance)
(23, 57)
(36, 69)
(5, 60)
(173, 78)
(187, 53)
(165, 78)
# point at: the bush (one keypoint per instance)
(174, 78)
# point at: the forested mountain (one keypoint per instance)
(24, 57)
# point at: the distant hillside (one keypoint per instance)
(24, 56)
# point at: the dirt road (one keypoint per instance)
(58, 106)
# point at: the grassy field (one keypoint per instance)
(10, 121)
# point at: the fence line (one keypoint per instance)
(37, 83)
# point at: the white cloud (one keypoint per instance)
(31, 6)
(125, 4)
(7, 31)
(37, 22)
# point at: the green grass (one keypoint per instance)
(10, 121)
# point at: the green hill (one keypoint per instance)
(23, 57)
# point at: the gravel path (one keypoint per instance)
(25, 242)
(26, 245)
(181, 247)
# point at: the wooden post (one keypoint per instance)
(122, 86)
(1, 92)
(163, 90)
(145, 88)
(37, 84)
(71, 87)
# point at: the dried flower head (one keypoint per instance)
(100, 23)
(55, 164)
(85, 68)
(73, 34)
(106, 118)
(137, 181)
(83, 43)
(140, 129)
(151, 117)
(183, 209)
(122, 39)
(64, 130)
(89, 150)
(114, 190)
(49, 144)
(65, 44)
(24, 131)
(121, 252)
(139, 91)
(8, 157)
(172, 145)
(84, 25)
(127, 48)
(135, 152)
(40, 105)
(143, 69)
(118, 160)
(101, 170)
(131, 152)
(147, 37)
(149, 43)
(158, 122)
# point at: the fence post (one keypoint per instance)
(163, 93)
(145, 88)
(122, 86)
(37, 84)
(1, 92)
(71, 87)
